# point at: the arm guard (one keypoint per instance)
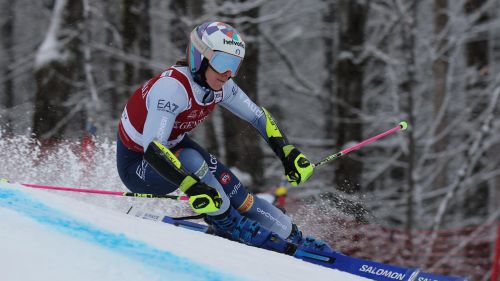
(276, 138)
(298, 169)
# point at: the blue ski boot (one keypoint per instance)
(233, 226)
(307, 243)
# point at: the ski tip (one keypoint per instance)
(403, 125)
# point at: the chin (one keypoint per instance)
(218, 87)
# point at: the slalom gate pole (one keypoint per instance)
(401, 126)
(106, 192)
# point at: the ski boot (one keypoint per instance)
(307, 243)
(233, 226)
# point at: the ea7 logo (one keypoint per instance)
(168, 106)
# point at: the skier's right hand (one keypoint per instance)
(298, 168)
(203, 198)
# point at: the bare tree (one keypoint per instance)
(440, 69)
(58, 71)
(116, 96)
(477, 59)
(408, 15)
(186, 13)
(136, 33)
(330, 64)
(242, 148)
(7, 35)
(492, 157)
(349, 74)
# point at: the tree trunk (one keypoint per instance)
(7, 34)
(440, 69)
(243, 145)
(192, 9)
(179, 30)
(330, 115)
(136, 40)
(408, 31)
(56, 77)
(349, 90)
(114, 68)
(494, 51)
(477, 57)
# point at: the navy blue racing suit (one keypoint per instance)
(166, 108)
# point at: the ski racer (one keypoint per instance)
(156, 155)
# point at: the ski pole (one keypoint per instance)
(401, 126)
(107, 192)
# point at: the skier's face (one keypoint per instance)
(216, 80)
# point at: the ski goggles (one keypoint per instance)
(222, 62)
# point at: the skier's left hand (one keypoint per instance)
(203, 198)
(298, 168)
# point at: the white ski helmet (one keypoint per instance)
(220, 44)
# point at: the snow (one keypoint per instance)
(46, 236)
(50, 49)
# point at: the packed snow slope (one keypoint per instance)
(46, 236)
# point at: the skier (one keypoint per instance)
(156, 155)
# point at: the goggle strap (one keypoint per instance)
(203, 48)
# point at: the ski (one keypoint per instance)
(335, 260)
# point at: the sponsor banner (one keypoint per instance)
(423, 276)
(385, 272)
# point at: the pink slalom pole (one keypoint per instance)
(105, 192)
(372, 139)
(401, 126)
(73, 189)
